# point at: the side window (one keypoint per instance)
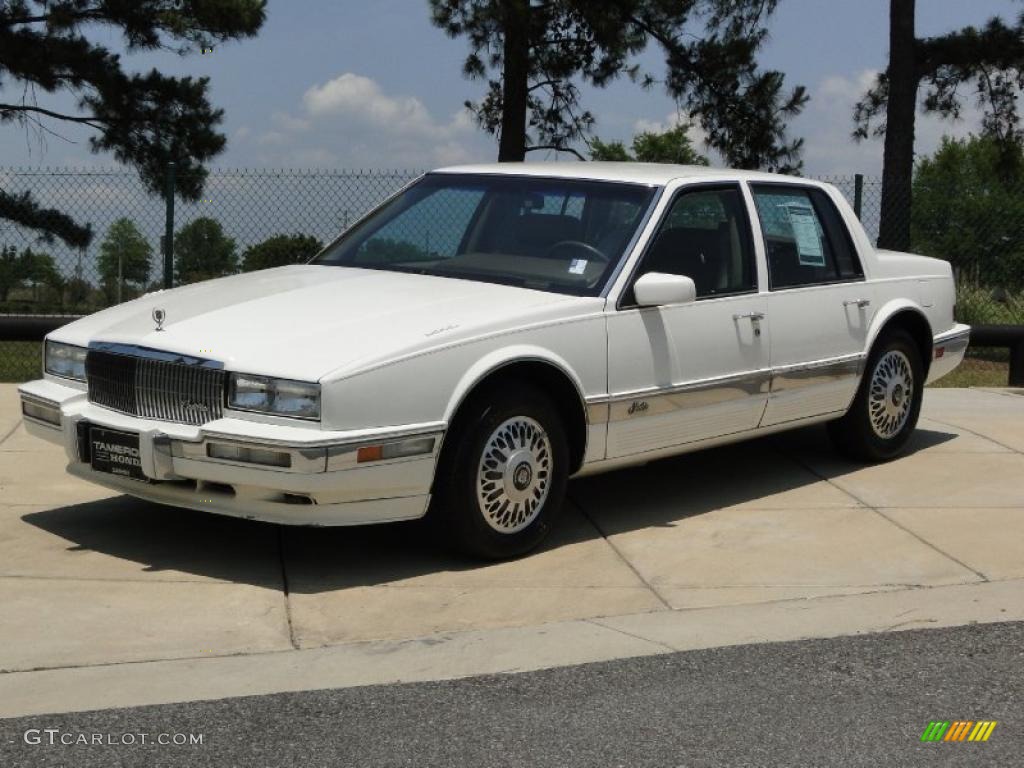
(804, 237)
(705, 236)
(847, 263)
(428, 230)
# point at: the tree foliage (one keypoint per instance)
(671, 146)
(125, 252)
(534, 57)
(202, 251)
(13, 270)
(279, 250)
(32, 267)
(145, 120)
(986, 65)
(970, 211)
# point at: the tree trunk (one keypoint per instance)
(514, 81)
(898, 162)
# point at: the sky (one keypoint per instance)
(342, 84)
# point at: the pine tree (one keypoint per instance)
(990, 59)
(533, 56)
(145, 120)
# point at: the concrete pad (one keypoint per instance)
(990, 541)
(400, 554)
(828, 617)
(128, 539)
(688, 598)
(995, 415)
(750, 476)
(967, 480)
(21, 441)
(9, 426)
(1003, 428)
(732, 538)
(386, 613)
(10, 417)
(39, 477)
(798, 550)
(386, 582)
(10, 409)
(933, 436)
(930, 436)
(439, 657)
(450, 656)
(62, 622)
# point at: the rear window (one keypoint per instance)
(805, 238)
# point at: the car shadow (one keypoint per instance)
(314, 560)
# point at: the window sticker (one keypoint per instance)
(805, 231)
(577, 266)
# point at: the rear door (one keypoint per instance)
(819, 302)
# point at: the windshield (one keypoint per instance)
(560, 235)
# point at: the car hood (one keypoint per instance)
(306, 321)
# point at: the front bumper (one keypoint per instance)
(322, 483)
(948, 349)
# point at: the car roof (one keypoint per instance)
(638, 173)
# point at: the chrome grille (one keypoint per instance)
(155, 389)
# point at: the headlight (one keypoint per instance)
(65, 360)
(281, 397)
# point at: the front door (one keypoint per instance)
(820, 305)
(682, 373)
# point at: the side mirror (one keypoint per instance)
(656, 289)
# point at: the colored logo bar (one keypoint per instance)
(958, 730)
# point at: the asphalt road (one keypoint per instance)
(861, 701)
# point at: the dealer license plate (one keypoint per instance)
(115, 452)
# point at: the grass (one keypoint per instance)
(986, 306)
(977, 372)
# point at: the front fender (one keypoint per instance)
(429, 387)
(500, 358)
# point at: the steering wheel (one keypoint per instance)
(598, 254)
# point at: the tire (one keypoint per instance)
(881, 421)
(493, 509)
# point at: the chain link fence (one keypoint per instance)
(252, 219)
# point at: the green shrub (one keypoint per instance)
(985, 306)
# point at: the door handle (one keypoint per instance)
(859, 303)
(752, 315)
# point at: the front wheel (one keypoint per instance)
(885, 411)
(502, 478)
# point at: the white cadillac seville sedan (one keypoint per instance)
(491, 331)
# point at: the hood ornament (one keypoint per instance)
(158, 317)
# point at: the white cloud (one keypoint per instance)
(271, 137)
(351, 121)
(288, 123)
(671, 120)
(361, 99)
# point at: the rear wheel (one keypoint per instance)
(885, 411)
(502, 478)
